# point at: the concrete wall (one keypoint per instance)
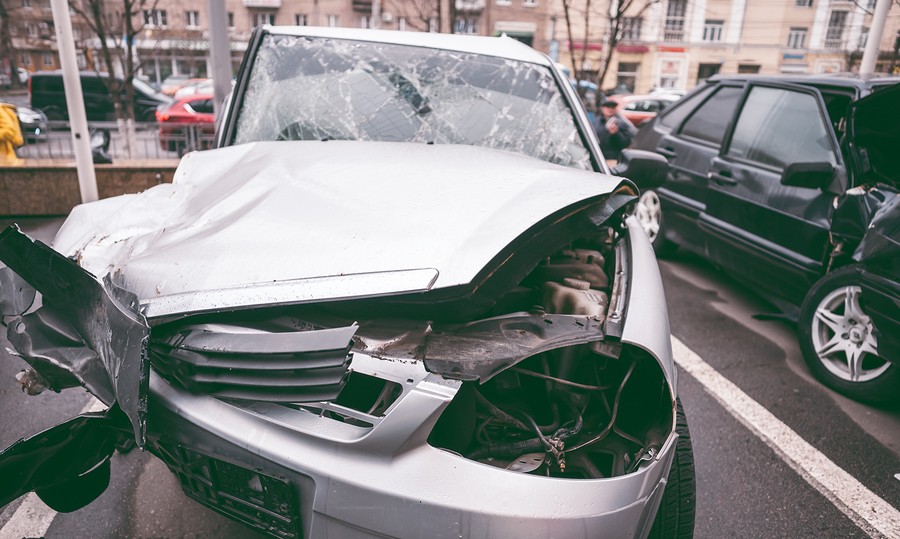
(46, 187)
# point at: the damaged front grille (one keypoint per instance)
(242, 363)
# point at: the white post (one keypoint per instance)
(870, 55)
(219, 52)
(81, 140)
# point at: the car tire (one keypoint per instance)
(649, 214)
(837, 341)
(675, 516)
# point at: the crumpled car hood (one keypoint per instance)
(274, 222)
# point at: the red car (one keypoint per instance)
(640, 109)
(187, 124)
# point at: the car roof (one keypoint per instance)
(848, 80)
(502, 47)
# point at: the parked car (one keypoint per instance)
(172, 83)
(48, 95)
(776, 180)
(403, 297)
(640, 109)
(187, 124)
(32, 122)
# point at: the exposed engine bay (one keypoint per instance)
(546, 388)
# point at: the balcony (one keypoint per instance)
(362, 6)
(265, 4)
(469, 6)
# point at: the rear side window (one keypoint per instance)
(678, 112)
(710, 120)
(203, 106)
(93, 85)
(778, 127)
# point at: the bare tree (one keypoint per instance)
(618, 23)
(116, 24)
(7, 10)
(618, 16)
(418, 13)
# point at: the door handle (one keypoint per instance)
(722, 177)
(667, 152)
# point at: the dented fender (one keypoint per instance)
(86, 332)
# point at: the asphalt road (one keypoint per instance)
(745, 486)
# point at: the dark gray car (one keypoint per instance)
(775, 181)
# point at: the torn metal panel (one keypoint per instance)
(57, 455)
(105, 318)
(16, 297)
(479, 350)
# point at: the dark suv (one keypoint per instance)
(776, 181)
(49, 95)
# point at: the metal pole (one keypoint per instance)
(81, 140)
(873, 41)
(219, 53)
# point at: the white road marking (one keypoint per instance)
(33, 518)
(866, 509)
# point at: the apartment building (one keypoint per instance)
(175, 37)
(663, 43)
(676, 43)
(32, 36)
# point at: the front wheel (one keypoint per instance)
(837, 341)
(675, 516)
(649, 214)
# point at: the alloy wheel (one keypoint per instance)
(842, 337)
(649, 213)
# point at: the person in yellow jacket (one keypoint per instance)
(10, 132)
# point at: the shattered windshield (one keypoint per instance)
(305, 88)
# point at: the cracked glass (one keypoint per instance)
(304, 88)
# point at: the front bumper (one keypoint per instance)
(313, 476)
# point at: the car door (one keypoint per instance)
(773, 235)
(696, 138)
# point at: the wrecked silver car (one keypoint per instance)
(403, 297)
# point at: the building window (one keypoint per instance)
(748, 68)
(803, 3)
(231, 19)
(31, 29)
(467, 26)
(401, 24)
(529, 3)
(631, 28)
(365, 21)
(26, 4)
(192, 19)
(262, 18)
(626, 75)
(301, 19)
(706, 71)
(674, 30)
(25, 59)
(834, 36)
(712, 30)
(432, 24)
(863, 37)
(48, 59)
(332, 21)
(156, 17)
(504, 2)
(797, 38)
